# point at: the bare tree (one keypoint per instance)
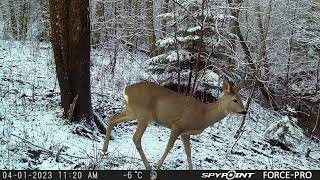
(70, 38)
(45, 34)
(23, 19)
(165, 9)
(235, 11)
(263, 32)
(150, 28)
(13, 20)
(97, 33)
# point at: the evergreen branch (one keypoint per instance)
(192, 16)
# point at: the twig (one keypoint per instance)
(46, 150)
(51, 153)
(240, 130)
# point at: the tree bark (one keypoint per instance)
(150, 29)
(70, 39)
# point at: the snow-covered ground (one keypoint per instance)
(33, 134)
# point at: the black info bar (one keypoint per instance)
(157, 175)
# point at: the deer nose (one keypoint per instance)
(244, 112)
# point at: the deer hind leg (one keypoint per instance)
(173, 137)
(142, 125)
(122, 117)
(186, 143)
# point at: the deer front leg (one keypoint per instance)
(173, 137)
(142, 125)
(186, 143)
(122, 117)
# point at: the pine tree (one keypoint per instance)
(191, 43)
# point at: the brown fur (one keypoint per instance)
(184, 115)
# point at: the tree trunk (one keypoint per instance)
(232, 27)
(23, 19)
(200, 49)
(233, 30)
(150, 29)
(97, 30)
(165, 9)
(318, 71)
(3, 11)
(13, 20)
(177, 48)
(263, 32)
(263, 89)
(70, 38)
(45, 34)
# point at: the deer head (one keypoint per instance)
(231, 100)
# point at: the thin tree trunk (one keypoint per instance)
(150, 29)
(165, 9)
(290, 48)
(45, 35)
(136, 13)
(232, 27)
(232, 42)
(23, 20)
(200, 50)
(3, 10)
(136, 7)
(177, 47)
(286, 82)
(97, 32)
(248, 57)
(318, 71)
(13, 20)
(116, 43)
(263, 32)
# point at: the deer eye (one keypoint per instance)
(235, 101)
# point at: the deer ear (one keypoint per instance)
(239, 86)
(227, 87)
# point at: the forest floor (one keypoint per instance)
(33, 134)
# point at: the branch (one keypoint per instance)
(51, 153)
(42, 148)
(240, 130)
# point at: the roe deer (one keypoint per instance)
(184, 115)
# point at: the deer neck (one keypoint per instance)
(215, 112)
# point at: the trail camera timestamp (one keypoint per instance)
(47, 175)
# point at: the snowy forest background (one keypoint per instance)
(189, 46)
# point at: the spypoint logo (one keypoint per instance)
(228, 175)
